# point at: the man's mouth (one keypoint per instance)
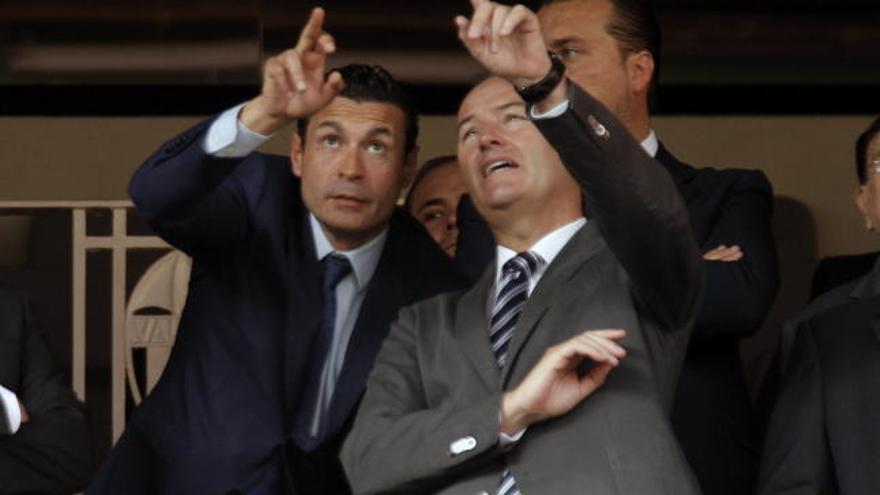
(497, 165)
(347, 198)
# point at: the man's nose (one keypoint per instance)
(491, 136)
(352, 166)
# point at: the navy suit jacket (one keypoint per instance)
(219, 418)
(712, 413)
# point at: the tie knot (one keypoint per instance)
(336, 267)
(525, 262)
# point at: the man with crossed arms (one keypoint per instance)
(483, 391)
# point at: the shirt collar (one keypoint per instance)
(651, 144)
(364, 259)
(547, 247)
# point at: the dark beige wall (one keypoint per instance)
(808, 159)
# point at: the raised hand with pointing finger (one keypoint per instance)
(294, 81)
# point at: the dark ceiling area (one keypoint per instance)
(821, 48)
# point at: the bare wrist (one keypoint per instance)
(513, 418)
(256, 117)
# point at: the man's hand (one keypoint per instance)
(24, 414)
(293, 82)
(506, 40)
(553, 387)
(724, 253)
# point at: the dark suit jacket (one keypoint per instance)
(220, 416)
(436, 384)
(712, 415)
(823, 436)
(51, 453)
(835, 271)
(864, 287)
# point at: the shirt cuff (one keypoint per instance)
(228, 137)
(549, 114)
(506, 441)
(13, 410)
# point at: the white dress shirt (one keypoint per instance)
(10, 405)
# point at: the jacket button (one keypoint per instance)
(462, 445)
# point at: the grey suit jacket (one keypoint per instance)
(430, 419)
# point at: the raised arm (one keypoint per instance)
(192, 197)
(631, 197)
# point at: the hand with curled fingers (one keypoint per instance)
(724, 253)
(554, 386)
(294, 85)
(506, 40)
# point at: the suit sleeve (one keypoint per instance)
(796, 458)
(51, 453)
(191, 199)
(401, 442)
(738, 295)
(636, 205)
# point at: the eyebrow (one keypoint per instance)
(497, 109)
(556, 44)
(433, 202)
(337, 127)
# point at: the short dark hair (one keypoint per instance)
(633, 24)
(372, 83)
(424, 170)
(862, 143)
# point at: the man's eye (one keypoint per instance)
(330, 141)
(513, 117)
(468, 135)
(569, 53)
(432, 216)
(375, 147)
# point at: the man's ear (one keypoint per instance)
(410, 166)
(296, 154)
(861, 200)
(640, 67)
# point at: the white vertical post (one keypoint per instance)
(118, 338)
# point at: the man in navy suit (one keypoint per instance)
(296, 279)
(611, 48)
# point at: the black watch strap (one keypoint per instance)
(541, 89)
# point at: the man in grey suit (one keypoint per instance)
(486, 390)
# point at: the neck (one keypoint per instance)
(348, 241)
(639, 123)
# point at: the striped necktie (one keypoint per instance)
(516, 275)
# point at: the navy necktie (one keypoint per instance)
(516, 276)
(334, 269)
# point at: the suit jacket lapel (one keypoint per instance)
(553, 287)
(680, 172)
(304, 313)
(472, 329)
(869, 286)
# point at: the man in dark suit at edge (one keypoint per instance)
(44, 435)
(823, 436)
(611, 48)
(294, 285)
(502, 388)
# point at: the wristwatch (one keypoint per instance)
(541, 89)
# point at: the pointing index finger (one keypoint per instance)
(312, 30)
